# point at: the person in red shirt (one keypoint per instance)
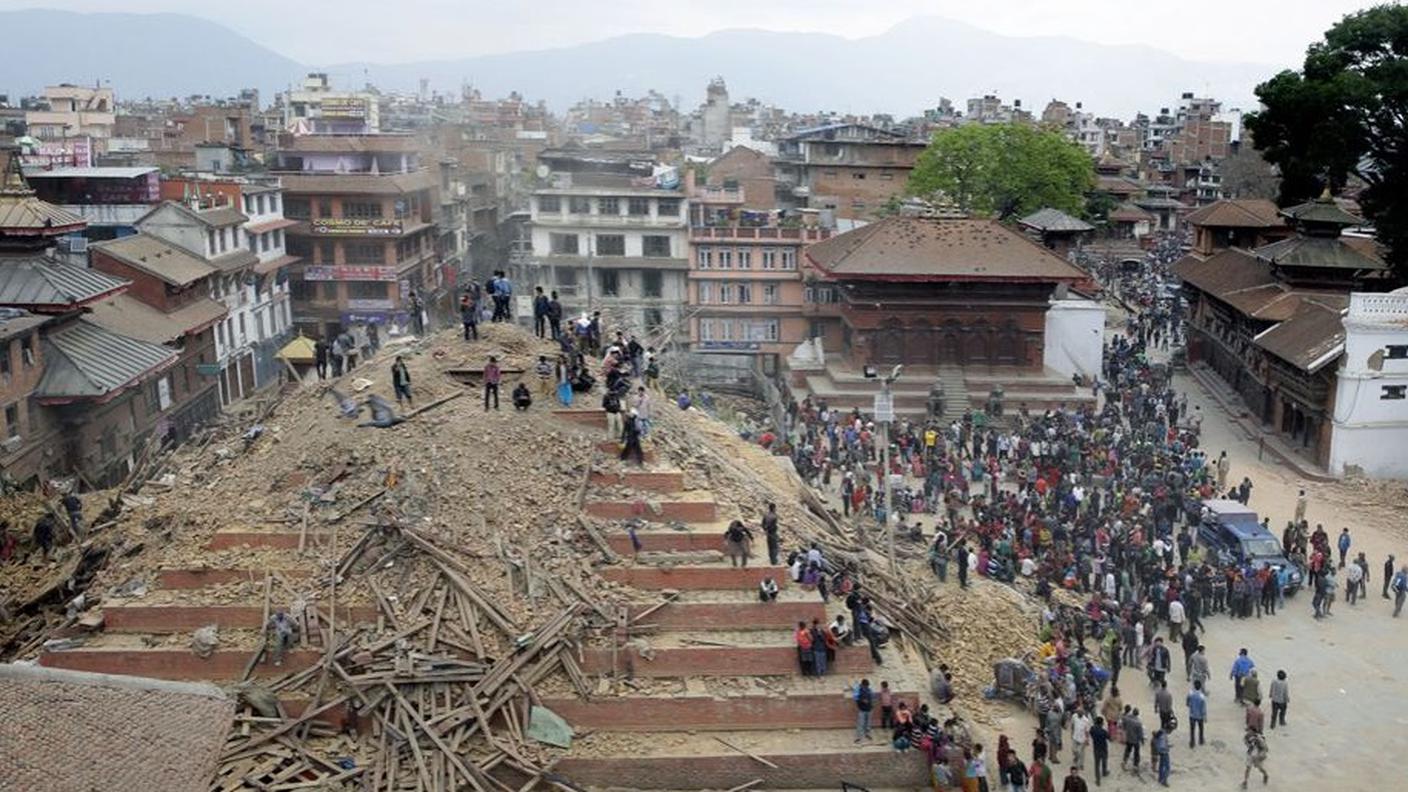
(804, 648)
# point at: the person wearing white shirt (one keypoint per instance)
(1080, 737)
(1175, 621)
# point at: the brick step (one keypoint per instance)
(706, 713)
(275, 540)
(595, 418)
(686, 578)
(670, 542)
(201, 578)
(690, 511)
(720, 661)
(165, 619)
(701, 616)
(874, 769)
(614, 449)
(174, 664)
(668, 481)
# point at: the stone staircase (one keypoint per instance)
(964, 388)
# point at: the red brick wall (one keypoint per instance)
(734, 615)
(720, 661)
(684, 713)
(177, 664)
(875, 769)
(684, 511)
(700, 578)
(177, 619)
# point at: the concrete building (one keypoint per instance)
(850, 169)
(111, 199)
(746, 293)
(316, 108)
(716, 124)
(74, 111)
(366, 236)
(608, 235)
(1369, 422)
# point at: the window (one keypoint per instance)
(638, 207)
(261, 203)
(297, 209)
(706, 293)
(366, 290)
(299, 290)
(725, 259)
(654, 317)
(550, 204)
(706, 329)
(361, 210)
(210, 240)
(668, 207)
(608, 206)
(278, 237)
(301, 247)
(567, 277)
(816, 328)
(273, 202)
(769, 259)
(610, 244)
(610, 283)
(745, 293)
(655, 246)
(725, 293)
(5, 362)
(12, 421)
(27, 351)
(650, 283)
(857, 175)
(789, 259)
(771, 330)
(364, 252)
(808, 295)
(563, 244)
(327, 291)
(326, 252)
(887, 177)
(1394, 392)
(770, 293)
(579, 205)
(704, 258)
(1396, 351)
(324, 208)
(831, 149)
(745, 259)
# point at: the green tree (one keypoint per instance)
(1345, 115)
(1003, 170)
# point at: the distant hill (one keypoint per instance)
(901, 71)
(140, 55)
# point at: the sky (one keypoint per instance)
(1273, 32)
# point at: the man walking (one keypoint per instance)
(1074, 783)
(961, 556)
(1241, 669)
(1080, 737)
(1198, 671)
(1400, 589)
(864, 700)
(1158, 747)
(1256, 756)
(1342, 544)
(1388, 574)
(1197, 713)
(1280, 697)
(1100, 749)
(401, 381)
(611, 405)
(1133, 730)
(320, 359)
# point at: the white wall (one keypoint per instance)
(1075, 335)
(1369, 431)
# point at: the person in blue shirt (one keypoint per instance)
(1241, 669)
(1343, 545)
(1197, 713)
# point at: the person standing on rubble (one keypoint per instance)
(401, 381)
(74, 507)
(630, 440)
(469, 316)
(770, 533)
(280, 632)
(555, 317)
(44, 534)
(540, 313)
(320, 358)
(492, 375)
(738, 542)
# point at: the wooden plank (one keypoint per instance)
(408, 711)
(748, 754)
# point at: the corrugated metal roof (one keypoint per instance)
(85, 360)
(920, 248)
(157, 257)
(129, 316)
(1323, 210)
(1049, 219)
(42, 282)
(24, 215)
(92, 173)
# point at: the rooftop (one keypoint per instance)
(88, 361)
(133, 318)
(158, 258)
(1311, 338)
(92, 173)
(1323, 252)
(70, 730)
(39, 281)
(1238, 213)
(1055, 220)
(924, 248)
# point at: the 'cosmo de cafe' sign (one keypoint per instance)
(356, 226)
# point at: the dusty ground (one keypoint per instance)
(1347, 677)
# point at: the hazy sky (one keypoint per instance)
(1274, 32)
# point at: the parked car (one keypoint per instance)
(1232, 533)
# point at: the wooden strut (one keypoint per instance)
(748, 754)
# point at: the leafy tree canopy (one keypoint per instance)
(1343, 115)
(1004, 170)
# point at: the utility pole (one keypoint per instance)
(885, 413)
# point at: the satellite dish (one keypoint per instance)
(543, 171)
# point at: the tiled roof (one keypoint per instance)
(1323, 210)
(1117, 184)
(129, 316)
(1309, 339)
(924, 248)
(157, 257)
(1055, 220)
(1319, 251)
(1129, 213)
(1238, 213)
(85, 360)
(1228, 270)
(71, 730)
(40, 282)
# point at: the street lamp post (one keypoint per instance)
(885, 413)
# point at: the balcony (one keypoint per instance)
(609, 220)
(759, 233)
(717, 195)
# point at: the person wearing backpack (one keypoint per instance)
(611, 404)
(865, 699)
(737, 542)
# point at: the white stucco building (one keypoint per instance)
(1370, 419)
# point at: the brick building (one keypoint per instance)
(851, 169)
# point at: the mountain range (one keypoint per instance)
(901, 71)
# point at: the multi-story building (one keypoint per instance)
(366, 233)
(74, 112)
(850, 169)
(746, 294)
(318, 109)
(608, 235)
(111, 199)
